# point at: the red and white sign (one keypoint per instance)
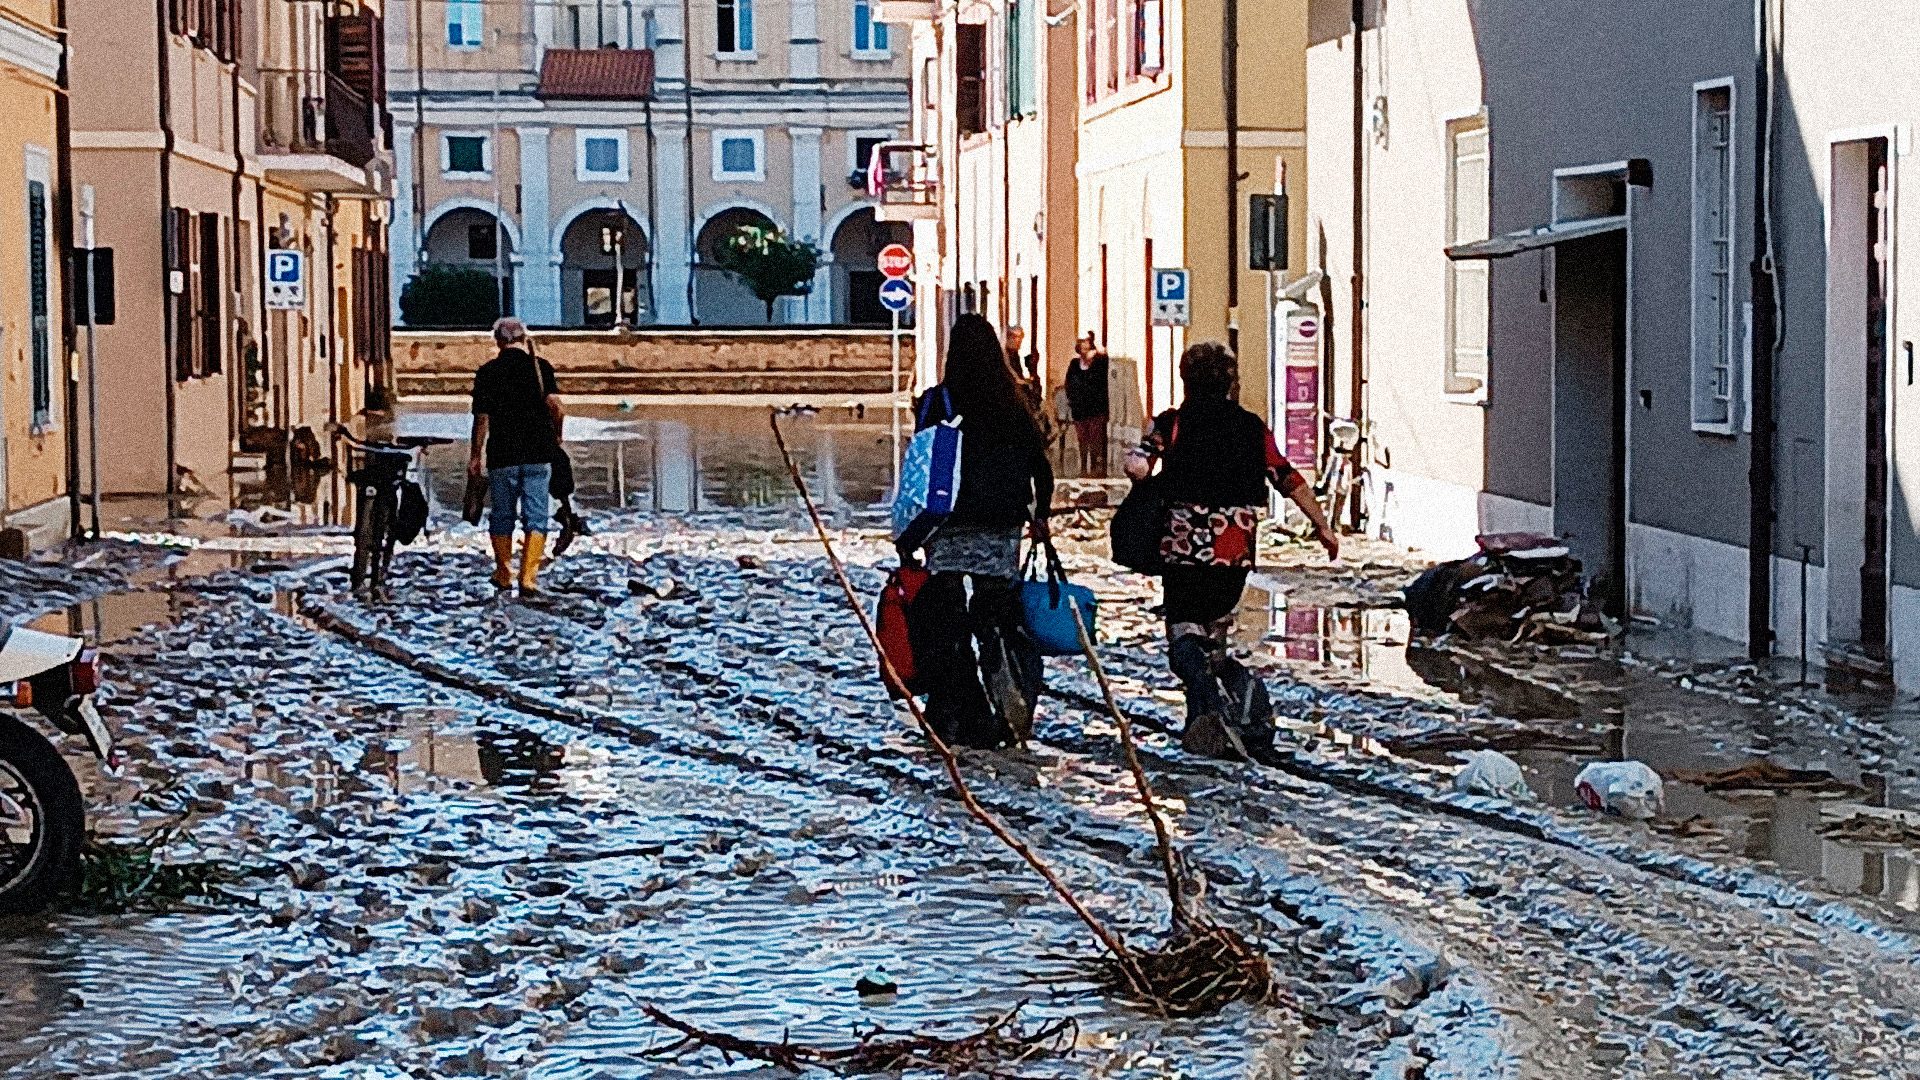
(895, 261)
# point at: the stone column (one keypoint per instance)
(401, 239)
(816, 307)
(803, 47)
(536, 283)
(671, 265)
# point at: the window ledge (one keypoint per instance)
(871, 55)
(737, 57)
(1466, 397)
(740, 178)
(447, 175)
(584, 177)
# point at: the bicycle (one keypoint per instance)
(383, 489)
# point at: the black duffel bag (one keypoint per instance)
(1139, 526)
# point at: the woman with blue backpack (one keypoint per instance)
(1216, 460)
(980, 669)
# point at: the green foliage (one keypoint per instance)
(769, 263)
(450, 296)
(135, 875)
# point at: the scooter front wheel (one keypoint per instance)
(42, 821)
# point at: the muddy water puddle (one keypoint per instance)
(690, 459)
(1741, 778)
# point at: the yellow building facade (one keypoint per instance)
(35, 420)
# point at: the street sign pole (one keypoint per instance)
(893, 403)
(93, 366)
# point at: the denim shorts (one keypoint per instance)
(519, 492)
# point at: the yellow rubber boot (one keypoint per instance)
(502, 561)
(530, 557)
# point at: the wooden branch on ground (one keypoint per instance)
(1003, 1041)
(1123, 958)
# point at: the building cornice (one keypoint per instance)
(29, 47)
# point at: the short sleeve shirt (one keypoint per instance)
(511, 391)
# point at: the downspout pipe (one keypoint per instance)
(686, 94)
(1357, 286)
(63, 211)
(164, 37)
(1761, 443)
(1230, 89)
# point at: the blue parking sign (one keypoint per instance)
(1170, 305)
(286, 278)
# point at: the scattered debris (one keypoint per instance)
(1520, 587)
(876, 985)
(1766, 776)
(1877, 825)
(1628, 788)
(120, 876)
(1492, 773)
(1002, 1042)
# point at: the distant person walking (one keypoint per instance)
(1216, 460)
(1088, 404)
(982, 672)
(517, 420)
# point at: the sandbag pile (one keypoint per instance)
(1520, 587)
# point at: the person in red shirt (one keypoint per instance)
(1216, 461)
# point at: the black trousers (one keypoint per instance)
(960, 644)
(1200, 602)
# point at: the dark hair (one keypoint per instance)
(1209, 370)
(980, 382)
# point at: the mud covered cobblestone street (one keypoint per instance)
(474, 834)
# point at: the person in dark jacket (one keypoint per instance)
(1088, 404)
(981, 670)
(1216, 460)
(517, 421)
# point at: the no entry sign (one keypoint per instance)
(895, 261)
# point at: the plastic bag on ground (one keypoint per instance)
(1492, 773)
(1627, 788)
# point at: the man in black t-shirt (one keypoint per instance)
(517, 422)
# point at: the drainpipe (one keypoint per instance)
(1230, 66)
(686, 93)
(327, 334)
(63, 211)
(1357, 286)
(164, 36)
(1765, 349)
(235, 413)
(653, 194)
(420, 133)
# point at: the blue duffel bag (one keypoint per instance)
(1049, 601)
(929, 486)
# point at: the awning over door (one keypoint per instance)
(1515, 243)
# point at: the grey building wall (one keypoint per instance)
(1590, 85)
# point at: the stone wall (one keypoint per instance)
(778, 360)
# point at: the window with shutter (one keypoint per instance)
(970, 62)
(212, 305)
(40, 303)
(183, 239)
(1713, 303)
(1468, 220)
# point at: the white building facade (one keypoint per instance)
(561, 146)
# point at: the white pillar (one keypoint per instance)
(803, 50)
(817, 307)
(671, 264)
(400, 237)
(536, 284)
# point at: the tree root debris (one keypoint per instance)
(1200, 969)
(1004, 1042)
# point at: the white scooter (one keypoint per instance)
(42, 820)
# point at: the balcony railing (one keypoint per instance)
(350, 133)
(903, 177)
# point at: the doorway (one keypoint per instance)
(1590, 410)
(1859, 263)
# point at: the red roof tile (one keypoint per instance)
(597, 74)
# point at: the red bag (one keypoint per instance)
(903, 586)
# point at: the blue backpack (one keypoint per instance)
(929, 476)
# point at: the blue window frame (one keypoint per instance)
(868, 35)
(466, 23)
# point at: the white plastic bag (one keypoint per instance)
(1492, 773)
(1627, 788)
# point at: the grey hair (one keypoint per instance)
(509, 331)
